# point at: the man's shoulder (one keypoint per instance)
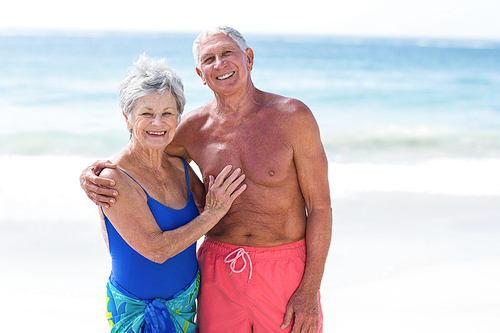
(290, 107)
(195, 117)
(285, 104)
(289, 114)
(194, 114)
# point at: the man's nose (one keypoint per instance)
(219, 61)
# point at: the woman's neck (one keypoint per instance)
(149, 159)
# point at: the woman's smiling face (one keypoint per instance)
(154, 120)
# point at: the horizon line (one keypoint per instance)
(90, 32)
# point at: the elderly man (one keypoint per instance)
(256, 276)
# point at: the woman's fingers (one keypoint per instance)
(235, 184)
(221, 177)
(237, 193)
(232, 177)
(228, 182)
(225, 180)
(225, 188)
(211, 181)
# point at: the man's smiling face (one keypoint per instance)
(223, 65)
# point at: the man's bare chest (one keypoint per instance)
(266, 161)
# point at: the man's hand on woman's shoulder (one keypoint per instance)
(98, 189)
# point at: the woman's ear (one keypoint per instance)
(129, 124)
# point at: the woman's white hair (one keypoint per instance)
(150, 76)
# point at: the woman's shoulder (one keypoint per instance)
(110, 173)
(122, 180)
(122, 175)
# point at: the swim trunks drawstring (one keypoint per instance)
(239, 253)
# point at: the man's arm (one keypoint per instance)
(312, 170)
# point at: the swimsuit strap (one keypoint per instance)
(125, 172)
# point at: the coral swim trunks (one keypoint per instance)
(246, 289)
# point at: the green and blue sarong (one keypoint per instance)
(129, 315)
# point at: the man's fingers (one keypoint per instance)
(91, 174)
(302, 324)
(105, 191)
(105, 198)
(110, 165)
(101, 181)
(102, 201)
(288, 318)
(305, 326)
(298, 328)
(102, 196)
(99, 165)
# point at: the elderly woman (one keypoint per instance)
(152, 229)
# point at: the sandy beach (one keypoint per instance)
(436, 259)
(401, 261)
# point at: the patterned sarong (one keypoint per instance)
(130, 315)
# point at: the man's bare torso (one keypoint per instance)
(271, 211)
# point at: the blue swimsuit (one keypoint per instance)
(138, 277)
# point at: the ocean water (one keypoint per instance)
(376, 100)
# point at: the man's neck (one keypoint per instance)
(238, 103)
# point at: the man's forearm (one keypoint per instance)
(318, 238)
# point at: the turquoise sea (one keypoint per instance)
(375, 99)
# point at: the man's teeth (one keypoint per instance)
(225, 76)
(156, 133)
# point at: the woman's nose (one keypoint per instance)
(157, 120)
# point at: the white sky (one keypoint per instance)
(423, 18)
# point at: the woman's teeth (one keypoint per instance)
(156, 133)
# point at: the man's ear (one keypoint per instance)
(200, 74)
(250, 56)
